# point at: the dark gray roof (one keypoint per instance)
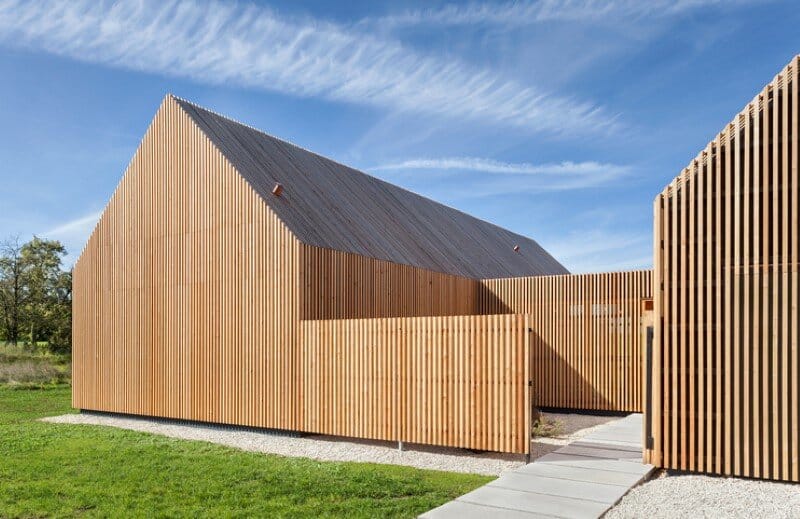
(330, 205)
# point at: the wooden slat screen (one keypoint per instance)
(190, 298)
(458, 381)
(587, 342)
(186, 296)
(726, 271)
(342, 285)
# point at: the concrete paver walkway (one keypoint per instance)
(580, 480)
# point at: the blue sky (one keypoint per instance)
(558, 119)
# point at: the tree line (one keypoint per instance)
(35, 294)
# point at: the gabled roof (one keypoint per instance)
(330, 205)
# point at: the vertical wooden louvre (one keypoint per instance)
(189, 304)
(193, 300)
(726, 282)
(459, 381)
(342, 285)
(587, 343)
(187, 293)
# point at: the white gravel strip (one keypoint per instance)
(681, 495)
(324, 448)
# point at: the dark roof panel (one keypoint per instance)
(330, 205)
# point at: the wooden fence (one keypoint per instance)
(725, 365)
(458, 381)
(587, 343)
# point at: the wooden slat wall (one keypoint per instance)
(726, 271)
(458, 381)
(341, 285)
(587, 343)
(188, 305)
(187, 294)
(190, 298)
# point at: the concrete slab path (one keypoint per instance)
(580, 480)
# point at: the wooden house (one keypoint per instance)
(220, 241)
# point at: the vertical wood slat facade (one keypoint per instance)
(726, 281)
(191, 299)
(587, 345)
(342, 285)
(459, 381)
(187, 294)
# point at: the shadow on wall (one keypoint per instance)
(559, 383)
(338, 285)
(486, 301)
(563, 371)
(587, 343)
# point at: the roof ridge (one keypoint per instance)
(324, 157)
(387, 222)
(259, 130)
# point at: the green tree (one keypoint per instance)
(41, 278)
(59, 339)
(35, 293)
(12, 294)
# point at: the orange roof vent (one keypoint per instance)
(277, 190)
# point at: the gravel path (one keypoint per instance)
(578, 425)
(682, 495)
(318, 447)
(330, 448)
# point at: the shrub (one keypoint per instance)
(547, 428)
(27, 371)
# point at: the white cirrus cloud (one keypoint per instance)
(80, 226)
(253, 47)
(73, 234)
(478, 164)
(522, 13)
(482, 177)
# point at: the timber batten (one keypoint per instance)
(343, 285)
(459, 381)
(193, 300)
(726, 281)
(157, 291)
(587, 343)
(206, 293)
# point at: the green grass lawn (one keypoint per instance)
(67, 470)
